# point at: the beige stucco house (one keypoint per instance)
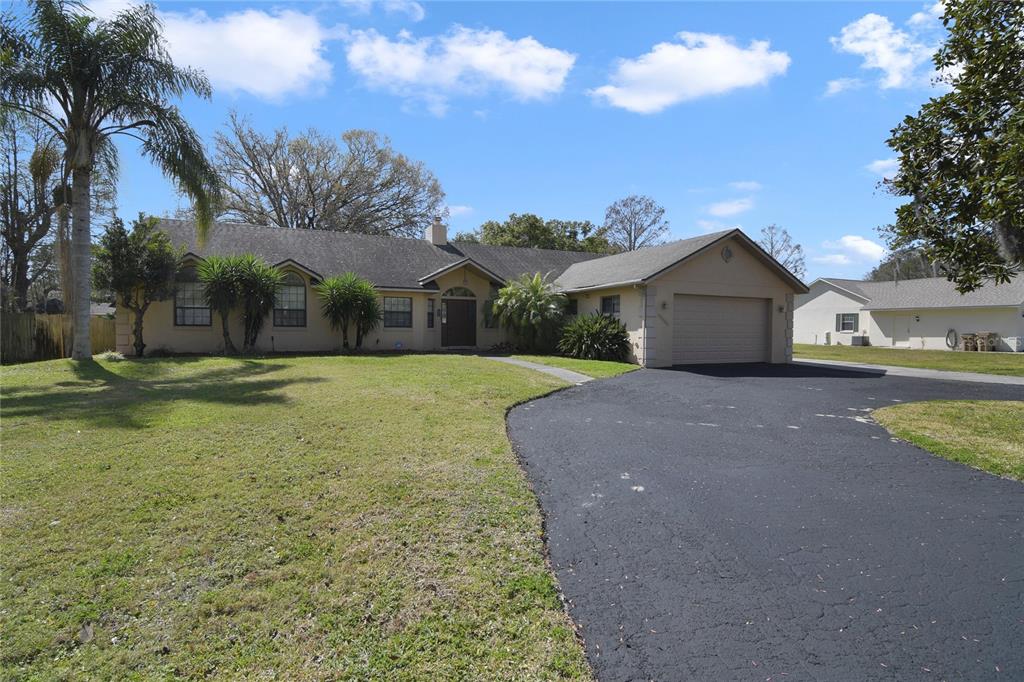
(915, 313)
(714, 298)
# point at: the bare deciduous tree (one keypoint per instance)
(635, 222)
(780, 246)
(309, 181)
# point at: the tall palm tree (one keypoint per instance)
(89, 80)
(219, 276)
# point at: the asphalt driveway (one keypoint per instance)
(753, 522)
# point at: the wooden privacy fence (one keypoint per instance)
(27, 336)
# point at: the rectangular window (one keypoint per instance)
(190, 309)
(610, 305)
(430, 313)
(397, 311)
(572, 307)
(290, 304)
(848, 322)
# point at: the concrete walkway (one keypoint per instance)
(916, 373)
(563, 374)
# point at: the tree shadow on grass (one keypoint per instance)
(108, 399)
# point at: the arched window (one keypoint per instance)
(290, 302)
(190, 309)
(459, 292)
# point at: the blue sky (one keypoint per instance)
(728, 114)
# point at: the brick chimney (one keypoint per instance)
(437, 233)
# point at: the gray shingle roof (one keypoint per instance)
(388, 262)
(932, 292)
(632, 267)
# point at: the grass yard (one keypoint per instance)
(985, 434)
(1011, 364)
(599, 369)
(285, 518)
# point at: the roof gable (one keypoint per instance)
(642, 265)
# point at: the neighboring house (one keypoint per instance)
(101, 310)
(914, 313)
(715, 298)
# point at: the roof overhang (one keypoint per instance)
(465, 262)
(597, 287)
(1007, 306)
(294, 264)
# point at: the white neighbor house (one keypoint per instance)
(913, 313)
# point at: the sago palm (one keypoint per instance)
(258, 283)
(369, 311)
(339, 298)
(89, 80)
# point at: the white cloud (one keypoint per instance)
(850, 249)
(715, 226)
(929, 17)
(463, 61)
(746, 185)
(884, 167)
(730, 207)
(456, 211)
(699, 65)
(264, 54)
(838, 85)
(410, 8)
(901, 55)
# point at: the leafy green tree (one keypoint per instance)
(89, 80)
(532, 231)
(139, 266)
(221, 289)
(529, 306)
(961, 158)
(908, 263)
(258, 283)
(340, 299)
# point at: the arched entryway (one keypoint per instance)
(458, 318)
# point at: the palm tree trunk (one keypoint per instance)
(229, 348)
(81, 245)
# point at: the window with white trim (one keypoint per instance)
(397, 311)
(290, 302)
(190, 309)
(430, 313)
(847, 322)
(610, 305)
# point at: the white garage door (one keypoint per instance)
(719, 329)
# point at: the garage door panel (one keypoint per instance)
(709, 329)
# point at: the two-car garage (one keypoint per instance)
(720, 329)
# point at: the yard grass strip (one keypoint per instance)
(295, 518)
(1009, 364)
(599, 369)
(984, 434)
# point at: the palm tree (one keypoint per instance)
(368, 311)
(258, 283)
(219, 276)
(88, 80)
(339, 298)
(528, 305)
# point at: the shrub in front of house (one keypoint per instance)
(595, 337)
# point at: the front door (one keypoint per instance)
(458, 323)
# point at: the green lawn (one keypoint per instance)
(985, 434)
(956, 361)
(285, 518)
(598, 369)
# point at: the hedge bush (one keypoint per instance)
(595, 337)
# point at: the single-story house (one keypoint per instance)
(913, 313)
(713, 298)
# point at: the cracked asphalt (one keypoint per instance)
(753, 523)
